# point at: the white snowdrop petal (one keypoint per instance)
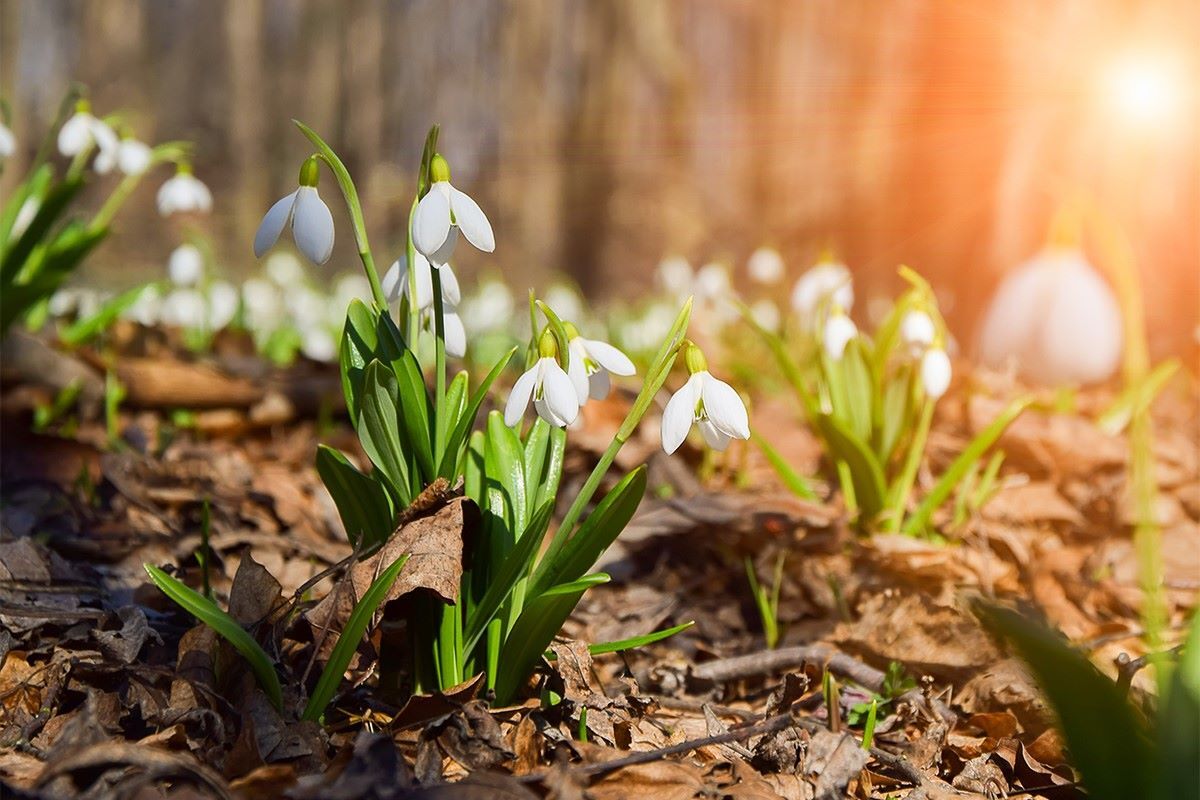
(312, 225)
(185, 266)
(441, 256)
(133, 157)
(559, 392)
(273, 223)
(201, 196)
(725, 407)
(609, 357)
(393, 281)
(518, 399)
(223, 300)
(765, 265)
(678, 416)
(839, 330)
(451, 293)
(424, 281)
(8, 142)
(935, 372)
(714, 437)
(75, 134)
(103, 136)
(431, 222)
(916, 328)
(599, 385)
(456, 334)
(577, 371)
(471, 220)
(105, 161)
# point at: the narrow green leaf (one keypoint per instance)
(504, 462)
(594, 536)
(632, 643)
(919, 520)
(540, 621)
(211, 615)
(84, 330)
(1179, 722)
(378, 429)
(1108, 741)
(347, 643)
(361, 501)
(866, 474)
(793, 480)
(466, 421)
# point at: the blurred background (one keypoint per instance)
(603, 135)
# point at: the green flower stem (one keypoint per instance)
(114, 202)
(354, 206)
(908, 475)
(439, 326)
(659, 370)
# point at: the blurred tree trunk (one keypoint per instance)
(246, 113)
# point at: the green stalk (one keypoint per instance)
(439, 325)
(908, 475)
(410, 254)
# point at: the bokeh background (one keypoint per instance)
(602, 135)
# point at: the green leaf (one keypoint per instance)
(378, 429)
(34, 186)
(361, 501)
(632, 643)
(551, 474)
(560, 334)
(85, 330)
(515, 567)
(456, 398)
(919, 520)
(360, 340)
(12, 266)
(1179, 722)
(793, 480)
(594, 536)
(211, 615)
(504, 464)
(1108, 742)
(466, 421)
(866, 474)
(541, 619)
(347, 643)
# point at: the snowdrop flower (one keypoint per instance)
(147, 308)
(183, 193)
(8, 142)
(675, 275)
(710, 404)
(312, 222)
(84, 131)
(318, 344)
(712, 282)
(442, 213)
(491, 307)
(591, 362)
(395, 284)
(184, 308)
(917, 329)
(262, 303)
(839, 330)
(935, 372)
(765, 265)
(547, 384)
(1056, 319)
(29, 210)
(284, 269)
(185, 265)
(766, 314)
(63, 302)
(826, 283)
(223, 301)
(133, 157)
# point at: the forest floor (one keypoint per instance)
(109, 690)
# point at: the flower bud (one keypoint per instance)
(935, 372)
(439, 169)
(694, 358)
(310, 171)
(547, 344)
(917, 329)
(839, 330)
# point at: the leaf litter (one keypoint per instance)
(107, 690)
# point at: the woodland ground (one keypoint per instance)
(109, 690)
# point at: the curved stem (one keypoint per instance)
(114, 202)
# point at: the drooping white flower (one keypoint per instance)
(147, 309)
(712, 282)
(133, 157)
(675, 275)
(710, 404)
(917, 329)
(395, 284)
(826, 284)
(548, 385)
(183, 193)
(318, 344)
(223, 301)
(1056, 320)
(590, 364)
(935, 372)
(8, 142)
(83, 131)
(765, 265)
(839, 330)
(185, 266)
(185, 308)
(442, 213)
(311, 220)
